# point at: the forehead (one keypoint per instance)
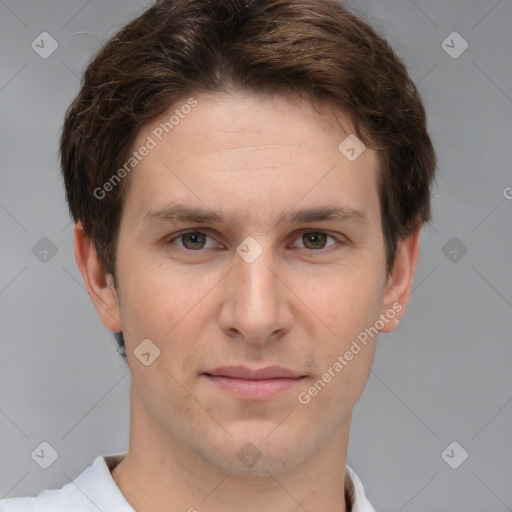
(261, 151)
(233, 120)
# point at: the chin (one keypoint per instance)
(253, 452)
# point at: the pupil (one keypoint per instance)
(192, 240)
(314, 240)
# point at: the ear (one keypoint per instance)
(99, 284)
(399, 283)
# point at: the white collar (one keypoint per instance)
(97, 483)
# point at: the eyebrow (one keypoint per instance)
(183, 213)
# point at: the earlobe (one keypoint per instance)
(399, 283)
(98, 282)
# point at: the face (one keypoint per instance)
(251, 254)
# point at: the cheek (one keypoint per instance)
(347, 306)
(345, 354)
(346, 302)
(165, 304)
(152, 292)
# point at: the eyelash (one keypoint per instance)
(339, 241)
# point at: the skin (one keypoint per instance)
(300, 304)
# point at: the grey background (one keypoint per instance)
(443, 376)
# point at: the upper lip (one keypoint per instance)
(243, 372)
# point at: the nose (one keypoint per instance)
(256, 306)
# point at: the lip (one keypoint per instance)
(254, 384)
(243, 372)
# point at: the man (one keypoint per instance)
(248, 182)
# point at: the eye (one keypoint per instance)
(192, 241)
(315, 240)
(195, 241)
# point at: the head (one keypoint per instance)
(230, 119)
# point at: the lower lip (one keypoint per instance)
(262, 389)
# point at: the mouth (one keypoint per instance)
(254, 384)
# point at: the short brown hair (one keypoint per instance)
(181, 47)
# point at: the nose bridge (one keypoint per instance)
(257, 284)
(253, 305)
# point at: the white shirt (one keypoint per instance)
(95, 490)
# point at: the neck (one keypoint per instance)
(159, 474)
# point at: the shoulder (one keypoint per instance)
(57, 500)
(355, 492)
(91, 490)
